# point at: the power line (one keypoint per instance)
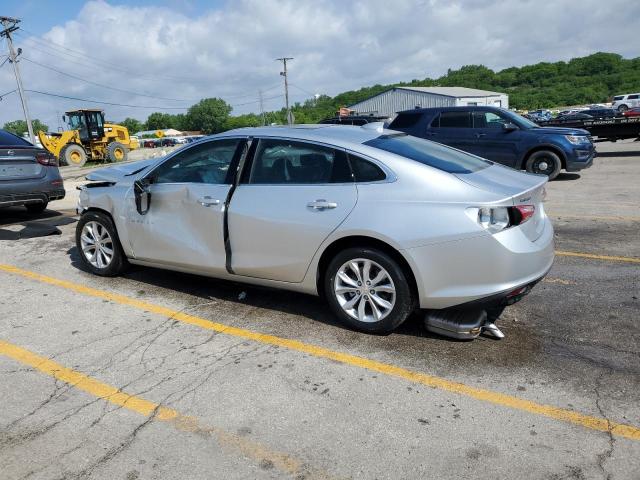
(105, 86)
(106, 103)
(8, 93)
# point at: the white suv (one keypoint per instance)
(622, 103)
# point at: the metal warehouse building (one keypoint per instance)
(406, 98)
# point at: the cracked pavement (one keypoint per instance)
(264, 411)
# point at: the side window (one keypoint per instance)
(365, 171)
(204, 163)
(488, 120)
(633, 97)
(406, 120)
(292, 162)
(457, 119)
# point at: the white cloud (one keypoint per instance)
(337, 45)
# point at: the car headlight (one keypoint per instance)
(578, 139)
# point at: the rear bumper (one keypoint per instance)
(484, 269)
(14, 199)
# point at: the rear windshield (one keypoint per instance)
(429, 153)
(10, 140)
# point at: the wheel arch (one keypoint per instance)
(539, 148)
(362, 241)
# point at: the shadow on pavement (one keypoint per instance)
(287, 302)
(21, 224)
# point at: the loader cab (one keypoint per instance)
(89, 123)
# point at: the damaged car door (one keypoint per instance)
(182, 222)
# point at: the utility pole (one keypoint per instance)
(262, 107)
(11, 25)
(286, 88)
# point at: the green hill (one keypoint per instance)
(592, 79)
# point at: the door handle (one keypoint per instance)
(207, 201)
(322, 205)
(480, 135)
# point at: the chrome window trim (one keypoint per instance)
(391, 177)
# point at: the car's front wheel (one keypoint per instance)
(368, 290)
(544, 162)
(98, 244)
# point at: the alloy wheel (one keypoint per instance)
(97, 244)
(364, 290)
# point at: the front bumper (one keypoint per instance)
(15, 199)
(580, 160)
(486, 268)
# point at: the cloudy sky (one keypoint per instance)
(165, 55)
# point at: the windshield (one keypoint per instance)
(429, 153)
(76, 121)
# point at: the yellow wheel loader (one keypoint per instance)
(88, 138)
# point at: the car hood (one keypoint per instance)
(504, 181)
(560, 131)
(118, 172)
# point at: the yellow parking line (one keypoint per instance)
(570, 416)
(608, 258)
(111, 394)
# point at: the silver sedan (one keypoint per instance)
(378, 222)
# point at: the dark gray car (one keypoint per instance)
(29, 175)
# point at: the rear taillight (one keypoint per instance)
(46, 159)
(522, 213)
(496, 219)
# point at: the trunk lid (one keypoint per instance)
(19, 163)
(520, 188)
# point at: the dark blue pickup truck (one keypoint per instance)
(501, 136)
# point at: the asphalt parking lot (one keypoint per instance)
(165, 375)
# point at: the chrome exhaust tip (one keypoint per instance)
(492, 329)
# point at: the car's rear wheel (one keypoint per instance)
(623, 108)
(98, 244)
(36, 207)
(368, 290)
(544, 162)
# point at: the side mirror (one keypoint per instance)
(64, 118)
(509, 127)
(143, 196)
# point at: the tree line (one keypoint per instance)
(591, 79)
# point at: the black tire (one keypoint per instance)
(404, 298)
(118, 263)
(73, 154)
(36, 207)
(544, 162)
(117, 152)
(623, 108)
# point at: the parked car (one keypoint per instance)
(168, 142)
(357, 120)
(539, 115)
(600, 112)
(502, 136)
(29, 175)
(632, 112)
(574, 116)
(150, 143)
(376, 221)
(623, 103)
